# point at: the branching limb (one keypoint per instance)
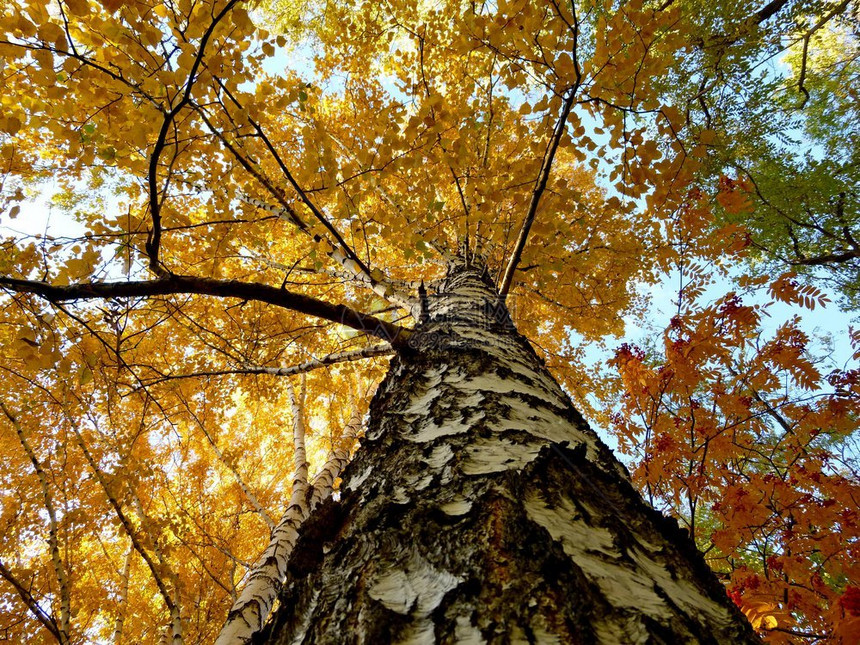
(228, 463)
(340, 275)
(340, 251)
(838, 9)
(53, 541)
(41, 615)
(375, 280)
(548, 157)
(769, 10)
(157, 192)
(341, 254)
(300, 457)
(321, 218)
(723, 40)
(250, 291)
(301, 368)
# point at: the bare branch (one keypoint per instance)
(343, 255)
(249, 494)
(301, 368)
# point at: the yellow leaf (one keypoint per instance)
(112, 5)
(78, 7)
(50, 32)
(85, 375)
(707, 136)
(11, 125)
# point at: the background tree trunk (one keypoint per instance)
(482, 508)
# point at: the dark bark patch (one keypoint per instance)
(324, 525)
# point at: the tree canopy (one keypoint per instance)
(245, 200)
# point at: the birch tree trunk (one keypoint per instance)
(481, 508)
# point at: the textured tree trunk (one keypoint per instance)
(481, 508)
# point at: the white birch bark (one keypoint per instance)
(337, 461)
(123, 597)
(250, 611)
(481, 508)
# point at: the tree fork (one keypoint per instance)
(482, 508)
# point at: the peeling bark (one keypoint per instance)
(250, 611)
(481, 508)
(337, 461)
(123, 597)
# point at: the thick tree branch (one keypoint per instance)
(769, 10)
(249, 291)
(723, 40)
(41, 615)
(827, 258)
(549, 156)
